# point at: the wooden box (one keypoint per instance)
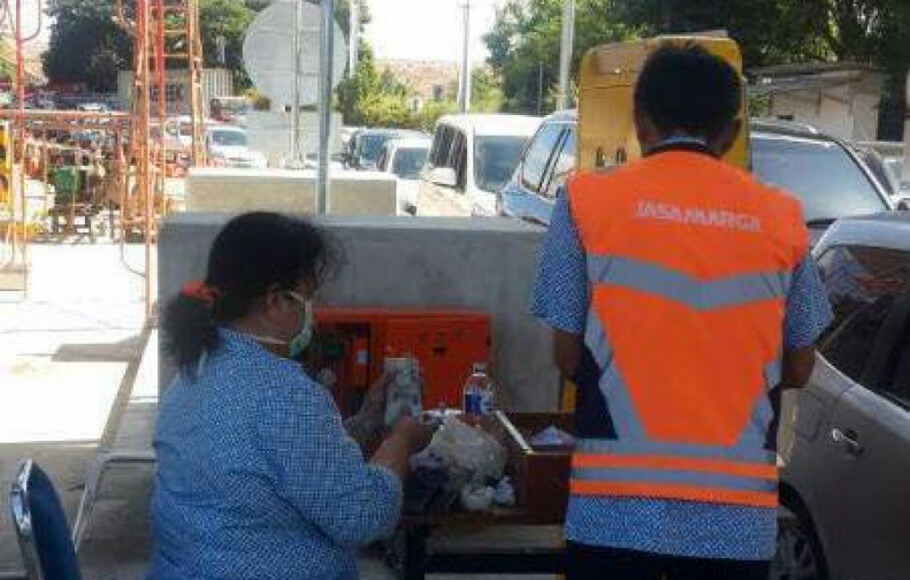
(540, 473)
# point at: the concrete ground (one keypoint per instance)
(65, 350)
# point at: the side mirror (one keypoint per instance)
(903, 204)
(444, 176)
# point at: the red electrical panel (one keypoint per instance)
(351, 344)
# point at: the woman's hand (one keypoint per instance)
(407, 438)
(374, 401)
(417, 435)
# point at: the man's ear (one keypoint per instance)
(649, 136)
(727, 137)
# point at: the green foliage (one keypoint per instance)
(525, 42)
(86, 45)
(343, 15)
(769, 31)
(525, 37)
(432, 111)
(228, 19)
(380, 99)
(486, 91)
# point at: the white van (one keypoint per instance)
(472, 157)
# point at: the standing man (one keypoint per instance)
(683, 298)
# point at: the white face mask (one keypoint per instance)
(299, 343)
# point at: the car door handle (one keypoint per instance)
(848, 440)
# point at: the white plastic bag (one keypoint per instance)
(470, 454)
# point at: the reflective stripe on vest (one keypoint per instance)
(689, 347)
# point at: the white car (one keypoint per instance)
(405, 158)
(471, 158)
(228, 147)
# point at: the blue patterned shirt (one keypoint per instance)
(256, 477)
(671, 527)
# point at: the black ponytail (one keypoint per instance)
(251, 255)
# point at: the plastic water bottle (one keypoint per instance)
(478, 394)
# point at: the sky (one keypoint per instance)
(428, 29)
(30, 17)
(405, 29)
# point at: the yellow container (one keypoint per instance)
(606, 131)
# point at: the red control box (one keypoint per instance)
(351, 344)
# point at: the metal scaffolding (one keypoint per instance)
(14, 260)
(165, 36)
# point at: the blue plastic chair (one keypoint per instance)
(44, 537)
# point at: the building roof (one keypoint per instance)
(813, 76)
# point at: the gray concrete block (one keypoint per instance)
(487, 264)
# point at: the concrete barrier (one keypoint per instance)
(487, 264)
(210, 189)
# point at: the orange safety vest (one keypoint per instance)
(690, 262)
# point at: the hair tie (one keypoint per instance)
(201, 291)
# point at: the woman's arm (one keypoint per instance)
(368, 424)
(321, 471)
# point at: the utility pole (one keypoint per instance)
(296, 161)
(354, 37)
(464, 98)
(325, 104)
(565, 53)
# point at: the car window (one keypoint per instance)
(863, 285)
(821, 174)
(459, 158)
(371, 146)
(229, 138)
(383, 163)
(564, 165)
(495, 159)
(408, 162)
(895, 381)
(538, 155)
(442, 146)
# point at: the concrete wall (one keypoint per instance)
(270, 134)
(487, 264)
(352, 193)
(848, 111)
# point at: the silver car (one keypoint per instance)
(845, 438)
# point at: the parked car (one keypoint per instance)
(826, 174)
(405, 158)
(845, 443)
(545, 165)
(228, 146)
(365, 146)
(93, 108)
(471, 159)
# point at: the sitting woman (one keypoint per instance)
(257, 477)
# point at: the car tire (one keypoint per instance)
(799, 553)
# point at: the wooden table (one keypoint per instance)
(504, 541)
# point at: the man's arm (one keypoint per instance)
(798, 366)
(567, 352)
(808, 315)
(561, 290)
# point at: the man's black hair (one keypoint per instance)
(685, 89)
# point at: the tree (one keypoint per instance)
(86, 45)
(227, 20)
(524, 45)
(525, 39)
(768, 31)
